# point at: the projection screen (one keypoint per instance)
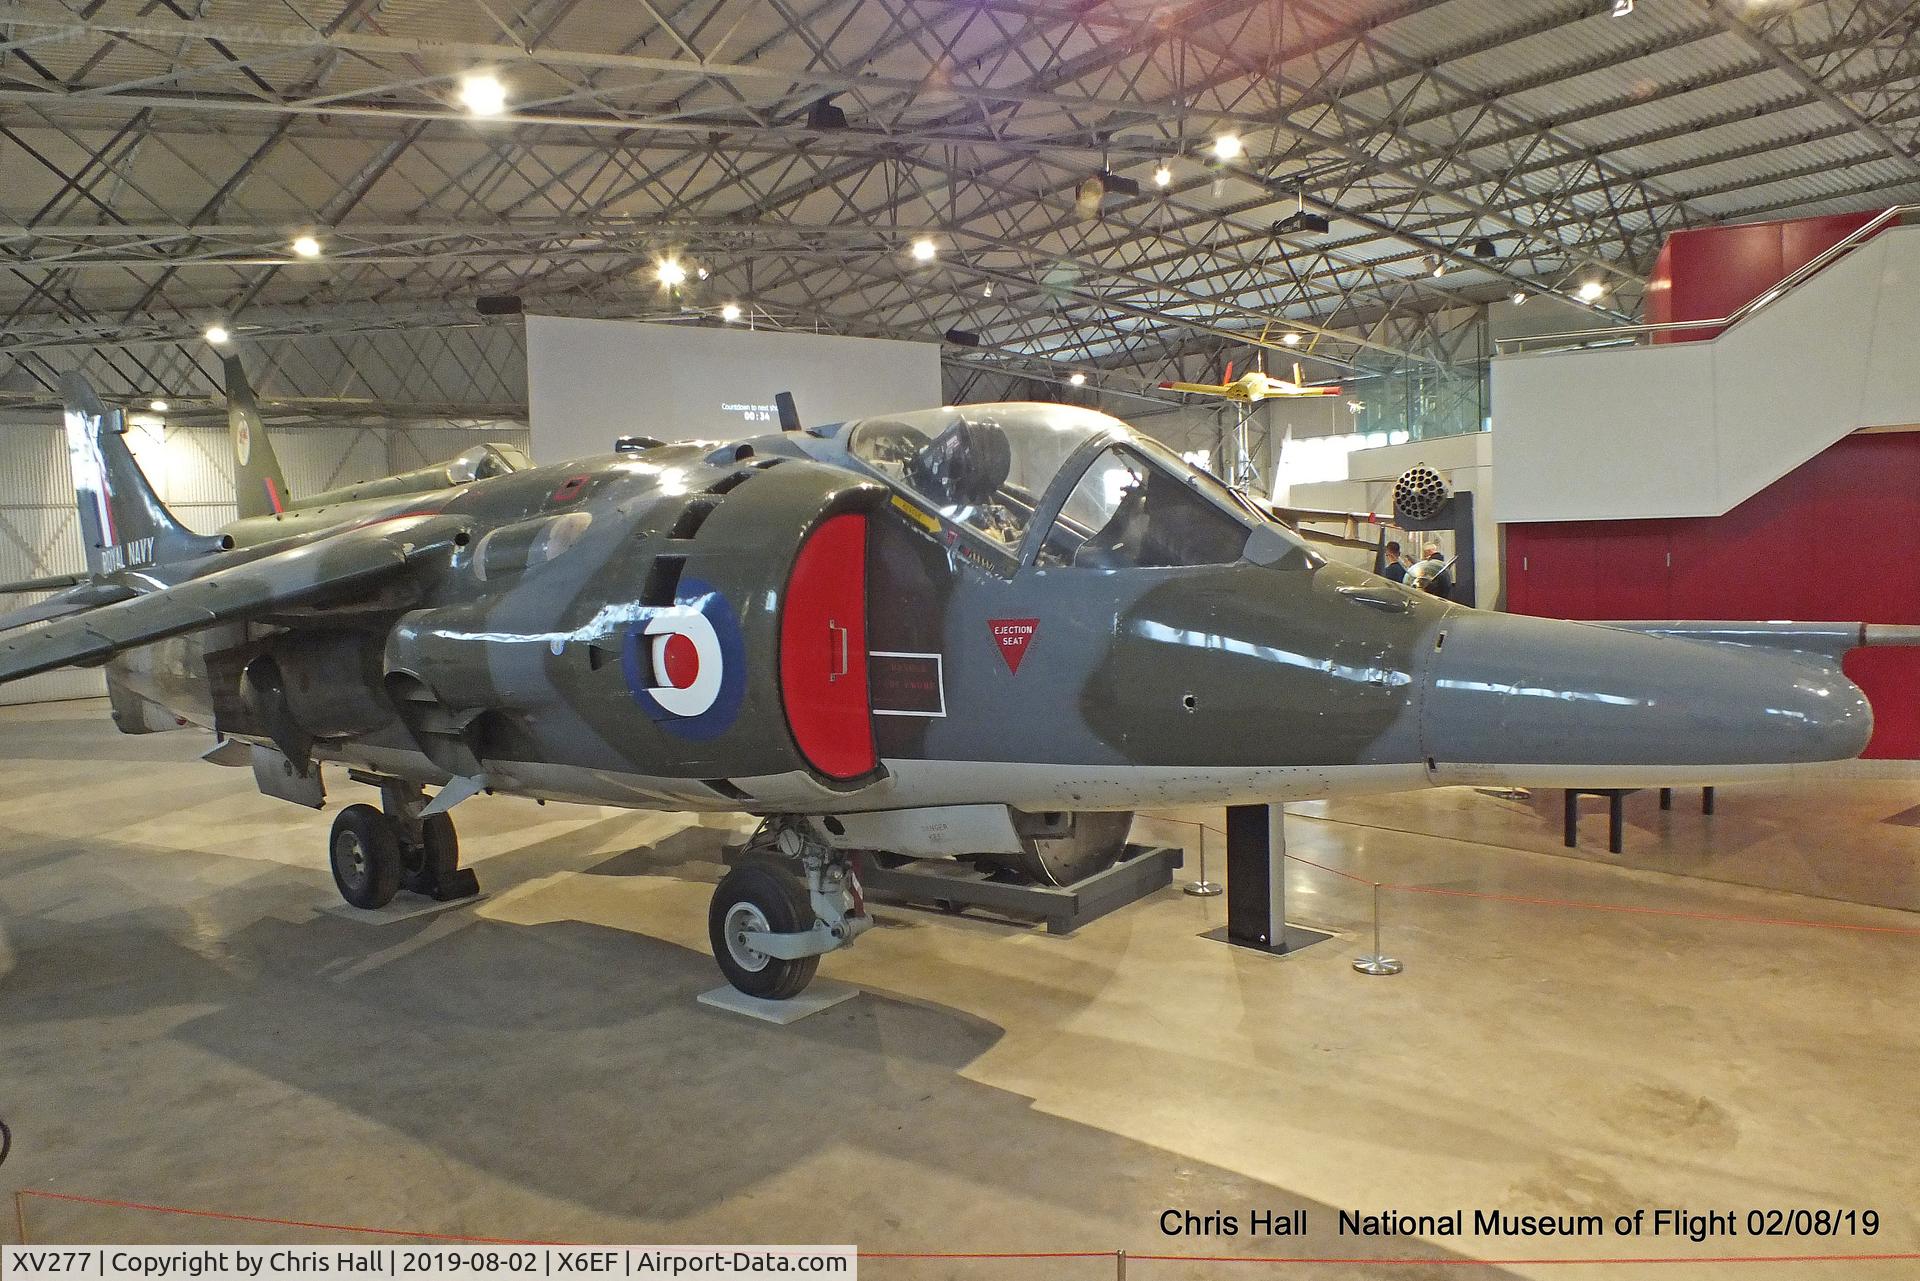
(589, 381)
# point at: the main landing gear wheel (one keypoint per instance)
(433, 864)
(365, 853)
(763, 898)
(1095, 843)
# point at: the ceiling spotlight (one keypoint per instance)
(157, 406)
(1436, 264)
(217, 335)
(306, 247)
(1291, 340)
(1590, 291)
(1300, 220)
(1355, 406)
(1227, 146)
(1621, 8)
(1078, 379)
(1162, 176)
(482, 94)
(671, 273)
(924, 249)
(986, 290)
(824, 115)
(701, 272)
(730, 312)
(1519, 297)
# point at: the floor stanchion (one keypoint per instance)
(1202, 888)
(1376, 962)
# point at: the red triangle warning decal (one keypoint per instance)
(1013, 635)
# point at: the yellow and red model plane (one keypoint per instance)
(1253, 386)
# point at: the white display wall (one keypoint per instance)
(592, 381)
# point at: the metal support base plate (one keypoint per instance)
(1297, 937)
(817, 997)
(1140, 872)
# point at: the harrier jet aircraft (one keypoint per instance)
(261, 489)
(987, 631)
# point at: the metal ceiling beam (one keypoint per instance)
(1736, 23)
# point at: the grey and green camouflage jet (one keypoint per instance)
(987, 631)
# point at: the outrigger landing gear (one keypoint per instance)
(792, 898)
(376, 853)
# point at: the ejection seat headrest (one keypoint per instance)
(964, 466)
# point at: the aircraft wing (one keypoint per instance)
(1204, 389)
(78, 597)
(39, 584)
(334, 569)
(1321, 514)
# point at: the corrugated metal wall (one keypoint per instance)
(192, 468)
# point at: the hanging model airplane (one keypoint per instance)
(986, 632)
(1253, 386)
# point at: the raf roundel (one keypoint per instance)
(685, 663)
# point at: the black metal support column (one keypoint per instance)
(1256, 875)
(1257, 882)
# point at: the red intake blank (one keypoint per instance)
(823, 650)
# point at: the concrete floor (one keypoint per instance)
(187, 1017)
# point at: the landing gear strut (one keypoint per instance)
(376, 853)
(792, 899)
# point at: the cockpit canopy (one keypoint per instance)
(1104, 496)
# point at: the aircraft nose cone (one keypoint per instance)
(1597, 706)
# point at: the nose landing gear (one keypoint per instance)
(792, 899)
(376, 853)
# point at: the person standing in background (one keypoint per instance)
(1431, 575)
(1395, 570)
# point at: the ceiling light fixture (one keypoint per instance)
(1227, 147)
(1291, 340)
(306, 247)
(1078, 379)
(1591, 291)
(217, 335)
(924, 249)
(671, 273)
(482, 94)
(1520, 298)
(730, 312)
(824, 115)
(1162, 176)
(157, 406)
(1621, 8)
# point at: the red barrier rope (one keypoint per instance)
(1576, 904)
(996, 1255)
(255, 1218)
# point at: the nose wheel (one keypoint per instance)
(755, 900)
(769, 925)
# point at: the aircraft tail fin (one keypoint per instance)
(261, 488)
(122, 521)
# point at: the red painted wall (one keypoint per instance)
(1830, 541)
(1711, 271)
